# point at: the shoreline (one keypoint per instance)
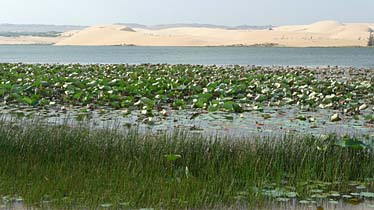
(202, 46)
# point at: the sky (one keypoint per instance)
(151, 12)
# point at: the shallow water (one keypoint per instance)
(355, 57)
(272, 121)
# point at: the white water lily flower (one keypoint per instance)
(288, 100)
(266, 90)
(363, 107)
(66, 84)
(330, 96)
(163, 112)
(144, 112)
(328, 105)
(335, 117)
(92, 82)
(106, 205)
(187, 172)
(312, 94)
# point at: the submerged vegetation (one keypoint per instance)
(78, 168)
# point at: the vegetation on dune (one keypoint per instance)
(76, 167)
(38, 34)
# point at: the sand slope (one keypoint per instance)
(320, 34)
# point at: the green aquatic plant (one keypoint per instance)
(211, 88)
(348, 142)
(173, 157)
(76, 166)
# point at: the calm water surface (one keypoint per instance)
(355, 57)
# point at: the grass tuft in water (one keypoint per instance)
(76, 167)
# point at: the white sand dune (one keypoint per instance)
(320, 34)
(318, 27)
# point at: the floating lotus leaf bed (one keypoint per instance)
(155, 92)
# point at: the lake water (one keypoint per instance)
(355, 57)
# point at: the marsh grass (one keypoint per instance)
(77, 167)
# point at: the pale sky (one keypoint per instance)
(150, 12)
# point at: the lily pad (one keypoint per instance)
(173, 157)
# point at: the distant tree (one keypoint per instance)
(371, 39)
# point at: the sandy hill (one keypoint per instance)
(320, 34)
(195, 25)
